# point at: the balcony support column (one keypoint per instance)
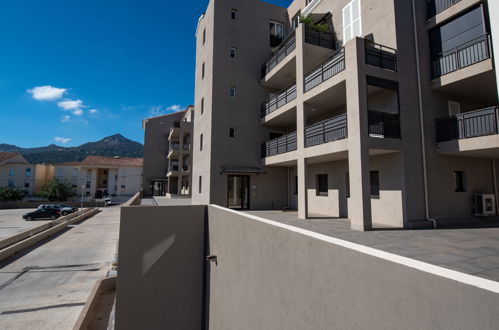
(302, 188)
(359, 206)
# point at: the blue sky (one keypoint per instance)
(100, 66)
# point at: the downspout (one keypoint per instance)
(494, 176)
(289, 192)
(421, 119)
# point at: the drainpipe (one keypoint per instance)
(289, 192)
(421, 119)
(494, 176)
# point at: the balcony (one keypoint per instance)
(434, 7)
(286, 47)
(174, 167)
(174, 146)
(283, 144)
(326, 70)
(381, 56)
(186, 147)
(467, 54)
(328, 130)
(320, 39)
(282, 98)
(468, 125)
(384, 125)
(185, 168)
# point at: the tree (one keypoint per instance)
(57, 191)
(11, 194)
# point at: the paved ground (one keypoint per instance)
(11, 222)
(47, 287)
(469, 250)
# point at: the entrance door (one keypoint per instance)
(238, 192)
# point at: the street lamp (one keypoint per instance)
(81, 201)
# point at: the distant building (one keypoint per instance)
(15, 171)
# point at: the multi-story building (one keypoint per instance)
(377, 111)
(15, 171)
(180, 155)
(167, 154)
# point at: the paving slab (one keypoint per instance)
(11, 222)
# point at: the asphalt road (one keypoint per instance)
(11, 222)
(48, 286)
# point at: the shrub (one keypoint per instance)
(57, 191)
(11, 194)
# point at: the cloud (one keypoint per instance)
(47, 93)
(62, 140)
(175, 108)
(93, 111)
(75, 106)
(158, 110)
(65, 118)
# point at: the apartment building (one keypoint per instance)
(168, 154)
(15, 171)
(377, 111)
(100, 176)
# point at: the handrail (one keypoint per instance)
(320, 39)
(280, 145)
(434, 7)
(325, 70)
(384, 124)
(379, 55)
(287, 95)
(286, 47)
(328, 130)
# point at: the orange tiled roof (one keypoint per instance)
(7, 155)
(112, 161)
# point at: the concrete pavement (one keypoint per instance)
(11, 222)
(47, 287)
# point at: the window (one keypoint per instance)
(89, 173)
(123, 186)
(276, 29)
(202, 105)
(12, 171)
(26, 185)
(11, 183)
(454, 108)
(88, 184)
(202, 71)
(232, 92)
(295, 21)
(201, 142)
(28, 171)
(75, 172)
(59, 172)
(232, 132)
(200, 183)
(233, 14)
(321, 184)
(87, 193)
(352, 22)
(459, 181)
(295, 185)
(233, 52)
(374, 177)
(204, 36)
(347, 184)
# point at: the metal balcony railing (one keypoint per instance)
(467, 125)
(283, 144)
(321, 39)
(381, 56)
(275, 102)
(287, 46)
(176, 124)
(186, 146)
(174, 167)
(384, 125)
(185, 168)
(433, 7)
(327, 69)
(175, 146)
(469, 53)
(328, 130)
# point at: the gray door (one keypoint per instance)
(238, 192)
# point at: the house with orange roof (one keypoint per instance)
(17, 172)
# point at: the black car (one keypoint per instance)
(43, 213)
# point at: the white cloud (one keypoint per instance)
(158, 110)
(47, 93)
(175, 108)
(75, 106)
(65, 118)
(62, 140)
(92, 111)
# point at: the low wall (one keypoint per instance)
(134, 201)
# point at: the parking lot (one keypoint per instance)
(11, 222)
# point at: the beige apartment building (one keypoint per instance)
(15, 171)
(168, 154)
(382, 112)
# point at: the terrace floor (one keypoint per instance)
(472, 250)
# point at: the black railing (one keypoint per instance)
(175, 146)
(469, 53)
(187, 147)
(176, 124)
(283, 144)
(287, 46)
(328, 130)
(275, 102)
(327, 69)
(174, 167)
(467, 125)
(434, 7)
(321, 39)
(384, 125)
(381, 56)
(185, 168)
(275, 41)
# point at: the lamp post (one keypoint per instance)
(81, 201)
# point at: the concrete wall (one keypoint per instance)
(494, 27)
(160, 275)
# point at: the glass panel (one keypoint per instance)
(238, 192)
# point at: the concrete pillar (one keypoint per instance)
(494, 27)
(302, 188)
(359, 210)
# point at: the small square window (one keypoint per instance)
(26, 185)
(233, 14)
(232, 92)
(321, 184)
(88, 184)
(459, 181)
(232, 132)
(233, 52)
(374, 177)
(123, 186)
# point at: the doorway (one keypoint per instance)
(238, 192)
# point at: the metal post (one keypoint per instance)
(81, 201)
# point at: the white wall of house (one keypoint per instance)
(28, 177)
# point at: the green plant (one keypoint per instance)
(57, 191)
(11, 194)
(309, 23)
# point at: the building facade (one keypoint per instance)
(381, 112)
(15, 171)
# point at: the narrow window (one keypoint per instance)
(233, 14)
(347, 184)
(295, 185)
(204, 36)
(233, 52)
(88, 184)
(202, 105)
(75, 172)
(352, 22)
(374, 177)
(232, 132)
(11, 183)
(200, 183)
(28, 171)
(459, 181)
(26, 185)
(232, 92)
(60, 172)
(89, 173)
(321, 184)
(12, 171)
(202, 71)
(296, 21)
(201, 142)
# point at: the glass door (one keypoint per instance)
(238, 192)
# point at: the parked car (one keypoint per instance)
(107, 201)
(65, 209)
(43, 213)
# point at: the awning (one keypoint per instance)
(241, 169)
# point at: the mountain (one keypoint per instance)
(114, 145)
